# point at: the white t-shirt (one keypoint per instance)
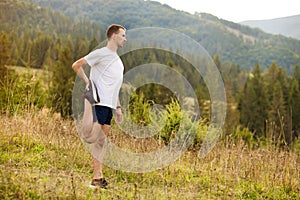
(107, 74)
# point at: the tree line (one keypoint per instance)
(269, 104)
(39, 38)
(233, 42)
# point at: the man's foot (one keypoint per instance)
(92, 95)
(98, 183)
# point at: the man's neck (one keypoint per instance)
(112, 46)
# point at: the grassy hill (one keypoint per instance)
(42, 158)
(287, 26)
(234, 43)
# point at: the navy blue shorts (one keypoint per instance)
(102, 114)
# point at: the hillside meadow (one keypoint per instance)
(42, 157)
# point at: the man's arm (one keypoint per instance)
(118, 103)
(77, 67)
(119, 113)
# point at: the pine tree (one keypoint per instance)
(62, 83)
(39, 51)
(296, 74)
(294, 108)
(253, 104)
(5, 73)
(276, 114)
(80, 48)
(277, 89)
(25, 47)
(93, 44)
(4, 48)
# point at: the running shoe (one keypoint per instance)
(92, 94)
(99, 183)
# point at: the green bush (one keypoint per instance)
(245, 135)
(172, 123)
(179, 123)
(296, 145)
(139, 109)
(20, 92)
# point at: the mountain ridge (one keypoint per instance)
(235, 43)
(288, 26)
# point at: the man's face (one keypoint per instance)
(121, 38)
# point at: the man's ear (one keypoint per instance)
(113, 36)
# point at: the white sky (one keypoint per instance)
(238, 10)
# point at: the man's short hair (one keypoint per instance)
(114, 28)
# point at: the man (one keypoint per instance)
(105, 81)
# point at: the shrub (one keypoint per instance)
(19, 92)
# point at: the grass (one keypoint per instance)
(43, 158)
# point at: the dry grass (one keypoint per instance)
(43, 158)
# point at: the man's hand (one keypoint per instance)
(119, 114)
(87, 85)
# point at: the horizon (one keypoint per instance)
(237, 11)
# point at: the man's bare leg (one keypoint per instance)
(93, 132)
(87, 120)
(97, 152)
(89, 129)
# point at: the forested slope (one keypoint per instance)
(233, 42)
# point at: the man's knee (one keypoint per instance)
(101, 140)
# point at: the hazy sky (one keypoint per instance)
(238, 10)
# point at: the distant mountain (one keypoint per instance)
(287, 26)
(234, 43)
(20, 17)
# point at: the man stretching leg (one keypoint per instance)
(105, 81)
